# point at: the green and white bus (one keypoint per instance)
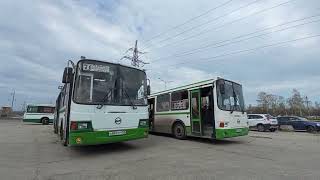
(101, 102)
(211, 109)
(39, 113)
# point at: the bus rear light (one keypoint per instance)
(221, 124)
(73, 125)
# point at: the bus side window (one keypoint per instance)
(163, 103)
(179, 100)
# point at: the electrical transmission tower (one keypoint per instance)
(135, 61)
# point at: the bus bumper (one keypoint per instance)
(228, 133)
(103, 137)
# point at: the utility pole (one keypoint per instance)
(165, 83)
(13, 94)
(135, 61)
(307, 103)
(23, 108)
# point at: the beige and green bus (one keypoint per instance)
(211, 109)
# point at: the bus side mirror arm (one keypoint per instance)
(148, 90)
(67, 75)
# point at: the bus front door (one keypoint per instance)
(196, 126)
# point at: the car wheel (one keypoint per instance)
(272, 130)
(260, 128)
(311, 129)
(179, 131)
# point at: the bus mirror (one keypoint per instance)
(60, 87)
(222, 89)
(148, 90)
(67, 75)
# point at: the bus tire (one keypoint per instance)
(55, 130)
(45, 121)
(61, 132)
(179, 131)
(64, 141)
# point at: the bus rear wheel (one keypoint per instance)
(45, 121)
(179, 131)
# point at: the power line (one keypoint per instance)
(247, 50)
(207, 22)
(231, 22)
(189, 20)
(135, 61)
(193, 51)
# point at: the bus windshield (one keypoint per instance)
(107, 83)
(230, 96)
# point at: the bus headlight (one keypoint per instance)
(143, 122)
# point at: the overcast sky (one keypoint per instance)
(38, 37)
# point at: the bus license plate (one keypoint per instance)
(117, 133)
(238, 130)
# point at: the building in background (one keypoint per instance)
(5, 111)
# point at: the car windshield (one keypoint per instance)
(270, 117)
(302, 119)
(230, 96)
(106, 83)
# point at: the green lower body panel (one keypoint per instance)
(104, 137)
(228, 133)
(36, 120)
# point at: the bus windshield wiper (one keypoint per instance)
(130, 100)
(104, 99)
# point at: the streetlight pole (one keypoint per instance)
(165, 83)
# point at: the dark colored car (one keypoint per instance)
(299, 123)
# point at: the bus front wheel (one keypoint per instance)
(179, 131)
(64, 140)
(45, 121)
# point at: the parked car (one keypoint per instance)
(262, 122)
(299, 123)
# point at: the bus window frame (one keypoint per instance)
(188, 98)
(217, 98)
(108, 104)
(156, 103)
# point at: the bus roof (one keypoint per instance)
(188, 86)
(34, 104)
(133, 67)
(191, 86)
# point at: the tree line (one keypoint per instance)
(296, 104)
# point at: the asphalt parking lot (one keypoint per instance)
(31, 151)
